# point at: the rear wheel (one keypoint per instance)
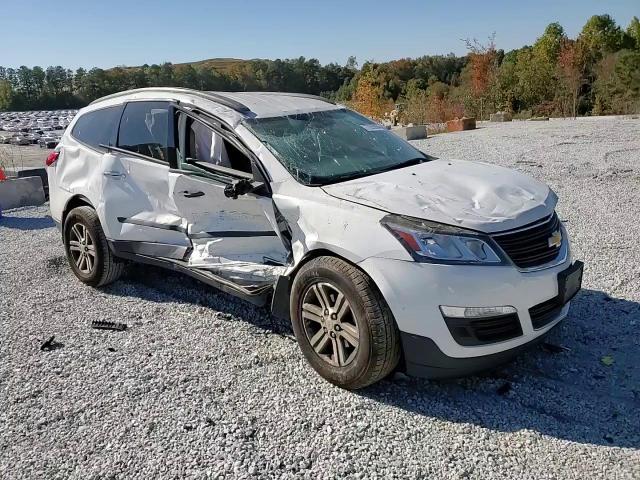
(343, 324)
(87, 249)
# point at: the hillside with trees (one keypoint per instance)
(596, 73)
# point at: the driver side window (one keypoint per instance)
(204, 146)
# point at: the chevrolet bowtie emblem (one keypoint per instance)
(555, 240)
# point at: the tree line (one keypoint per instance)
(34, 88)
(598, 72)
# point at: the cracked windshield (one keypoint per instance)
(333, 145)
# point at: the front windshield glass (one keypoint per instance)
(333, 145)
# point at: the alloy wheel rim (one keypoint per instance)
(329, 324)
(82, 248)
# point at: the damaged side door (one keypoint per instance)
(224, 198)
(138, 209)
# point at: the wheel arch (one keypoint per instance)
(75, 201)
(282, 289)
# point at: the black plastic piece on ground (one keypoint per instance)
(504, 388)
(51, 345)
(100, 325)
(551, 348)
(46, 346)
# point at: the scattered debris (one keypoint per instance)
(504, 388)
(51, 345)
(607, 360)
(101, 325)
(552, 348)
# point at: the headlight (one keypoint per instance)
(438, 243)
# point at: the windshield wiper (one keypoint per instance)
(365, 173)
(406, 163)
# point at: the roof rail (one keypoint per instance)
(300, 95)
(226, 101)
(212, 96)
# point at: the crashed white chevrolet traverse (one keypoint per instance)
(383, 257)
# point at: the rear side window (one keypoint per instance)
(146, 128)
(99, 127)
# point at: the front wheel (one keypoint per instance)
(343, 324)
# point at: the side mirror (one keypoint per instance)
(238, 187)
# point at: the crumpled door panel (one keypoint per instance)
(236, 239)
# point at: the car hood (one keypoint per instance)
(472, 195)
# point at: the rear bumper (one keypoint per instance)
(423, 358)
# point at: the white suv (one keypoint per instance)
(382, 257)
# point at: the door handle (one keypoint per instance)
(113, 174)
(192, 194)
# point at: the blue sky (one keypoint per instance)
(84, 33)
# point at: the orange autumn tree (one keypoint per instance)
(368, 99)
(570, 70)
(483, 68)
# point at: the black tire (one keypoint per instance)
(378, 351)
(106, 267)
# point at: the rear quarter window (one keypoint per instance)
(99, 127)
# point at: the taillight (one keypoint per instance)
(52, 158)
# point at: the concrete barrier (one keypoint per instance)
(36, 172)
(500, 117)
(20, 192)
(415, 132)
(459, 124)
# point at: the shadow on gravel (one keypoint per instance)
(587, 392)
(161, 285)
(573, 393)
(26, 223)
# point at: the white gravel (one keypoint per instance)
(205, 386)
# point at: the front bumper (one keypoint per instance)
(423, 358)
(414, 292)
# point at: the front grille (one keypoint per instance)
(545, 312)
(529, 247)
(481, 331)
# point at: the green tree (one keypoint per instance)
(617, 88)
(599, 36)
(633, 32)
(6, 95)
(547, 47)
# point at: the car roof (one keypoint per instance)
(233, 106)
(276, 104)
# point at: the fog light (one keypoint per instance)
(476, 312)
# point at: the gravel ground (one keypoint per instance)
(205, 386)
